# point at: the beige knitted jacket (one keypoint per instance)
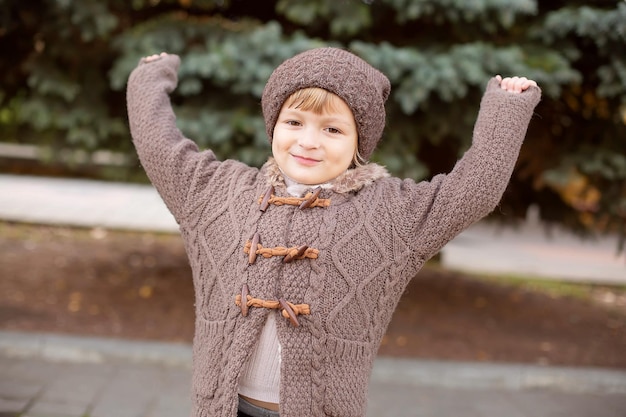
(367, 235)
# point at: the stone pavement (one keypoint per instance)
(531, 250)
(59, 376)
(83, 203)
(63, 376)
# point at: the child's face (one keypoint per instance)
(313, 148)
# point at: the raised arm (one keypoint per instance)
(172, 162)
(436, 211)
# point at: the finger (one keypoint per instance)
(516, 85)
(155, 57)
(513, 84)
(506, 83)
(522, 85)
(529, 83)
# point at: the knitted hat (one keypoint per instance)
(361, 86)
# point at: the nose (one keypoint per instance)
(309, 139)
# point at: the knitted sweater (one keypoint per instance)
(370, 237)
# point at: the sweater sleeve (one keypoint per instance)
(172, 162)
(431, 213)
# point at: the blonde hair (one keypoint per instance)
(319, 101)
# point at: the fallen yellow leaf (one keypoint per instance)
(145, 291)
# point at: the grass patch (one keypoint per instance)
(555, 288)
(611, 295)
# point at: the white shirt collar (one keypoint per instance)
(295, 189)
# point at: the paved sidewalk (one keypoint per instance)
(84, 203)
(63, 376)
(531, 250)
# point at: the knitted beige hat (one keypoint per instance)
(361, 86)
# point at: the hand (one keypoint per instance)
(515, 84)
(155, 57)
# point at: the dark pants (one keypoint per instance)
(250, 410)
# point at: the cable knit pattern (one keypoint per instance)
(372, 239)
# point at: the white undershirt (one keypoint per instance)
(260, 378)
(295, 189)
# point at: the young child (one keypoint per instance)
(298, 266)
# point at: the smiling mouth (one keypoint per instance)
(304, 160)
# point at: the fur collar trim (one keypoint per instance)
(350, 181)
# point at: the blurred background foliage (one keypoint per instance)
(65, 64)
